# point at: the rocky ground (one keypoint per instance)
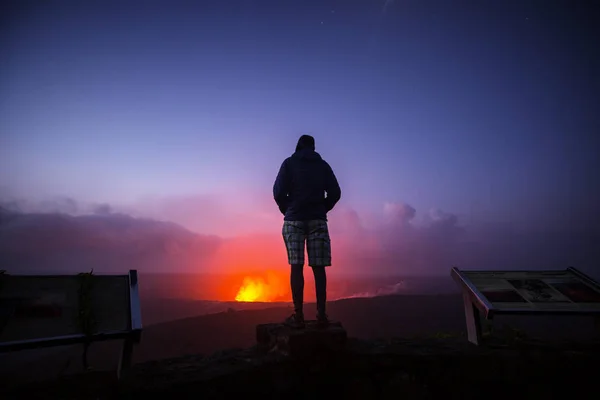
(436, 367)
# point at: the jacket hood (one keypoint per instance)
(307, 154)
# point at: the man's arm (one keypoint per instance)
(281, 188)
(332, 187)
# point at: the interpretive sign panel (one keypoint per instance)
(566, 292)
(50, 310)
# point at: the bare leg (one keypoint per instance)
(297, 284)
(321, 289)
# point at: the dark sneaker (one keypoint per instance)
(295, 321)
(322, 320)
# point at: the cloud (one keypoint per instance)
(345, 221)
(51, 205)
(106, 242)
(253, 252)
(399, 213)
(396, 288)
(60, 205)
(227, 214)
(102, 209)
(247, 232)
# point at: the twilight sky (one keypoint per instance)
(488, 110)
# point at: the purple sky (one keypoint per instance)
(484, 109)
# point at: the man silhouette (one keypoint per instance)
(305, 190)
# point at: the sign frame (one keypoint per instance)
(477, 306)
(130, 336)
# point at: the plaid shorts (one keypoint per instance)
(316, 236)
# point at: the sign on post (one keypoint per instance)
(52, 310)
(489, 293)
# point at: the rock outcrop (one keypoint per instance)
(312, 341)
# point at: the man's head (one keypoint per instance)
(306, 142)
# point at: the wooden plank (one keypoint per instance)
(519, 311)
(60, 341)
(584, 277)
(480, 299)
(473, 319)
(134, 305)
(125, 359)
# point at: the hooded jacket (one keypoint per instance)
(306, 187)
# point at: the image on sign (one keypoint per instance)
(503, 296)
(537, 291)
(44, 306)
(549, 291)
(575, 290)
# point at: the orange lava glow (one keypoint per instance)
(259, 289)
